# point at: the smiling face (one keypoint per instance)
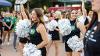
(33, 15)
(96, 5)
(73, 14)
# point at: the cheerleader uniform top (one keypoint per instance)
(75, 31)
(36, 38)
(55, 33)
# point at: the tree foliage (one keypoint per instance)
(35, 3)
(88, 6)
(39, 3)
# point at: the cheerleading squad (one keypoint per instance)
(37, 31)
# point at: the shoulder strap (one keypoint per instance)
(86, 21)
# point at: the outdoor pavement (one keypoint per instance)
(8, 50)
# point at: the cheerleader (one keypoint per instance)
(54, 31)
(46, 21)
(82, 15)
(64, 25)
(76, 29)
(20, 33)
(38, 34)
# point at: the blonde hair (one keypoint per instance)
(58, 13)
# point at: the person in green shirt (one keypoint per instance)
(14, 19)
(7, 27)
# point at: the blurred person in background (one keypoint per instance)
(67, 14)
(1, 24)
(7, 22)
(61, 23)
(90, 15)
(55, 38)
(1, 28)
(14, 18)
(82, 15)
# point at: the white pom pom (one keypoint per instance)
(31, 50)
(22, 28)
(75, 44)
(64, 26)
(52, 25)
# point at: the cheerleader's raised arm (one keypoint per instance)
(82, 30)
(23, 13)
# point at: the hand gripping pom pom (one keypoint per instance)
(31, 50)
(64, 26)
(52, 25)
(75, 44)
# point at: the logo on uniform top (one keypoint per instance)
(32, 31)
(72, 27)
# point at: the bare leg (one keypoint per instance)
(68, 53)
(4, 36)
(20, 49)
(57, 44)
(8, 36)
(76, 53)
